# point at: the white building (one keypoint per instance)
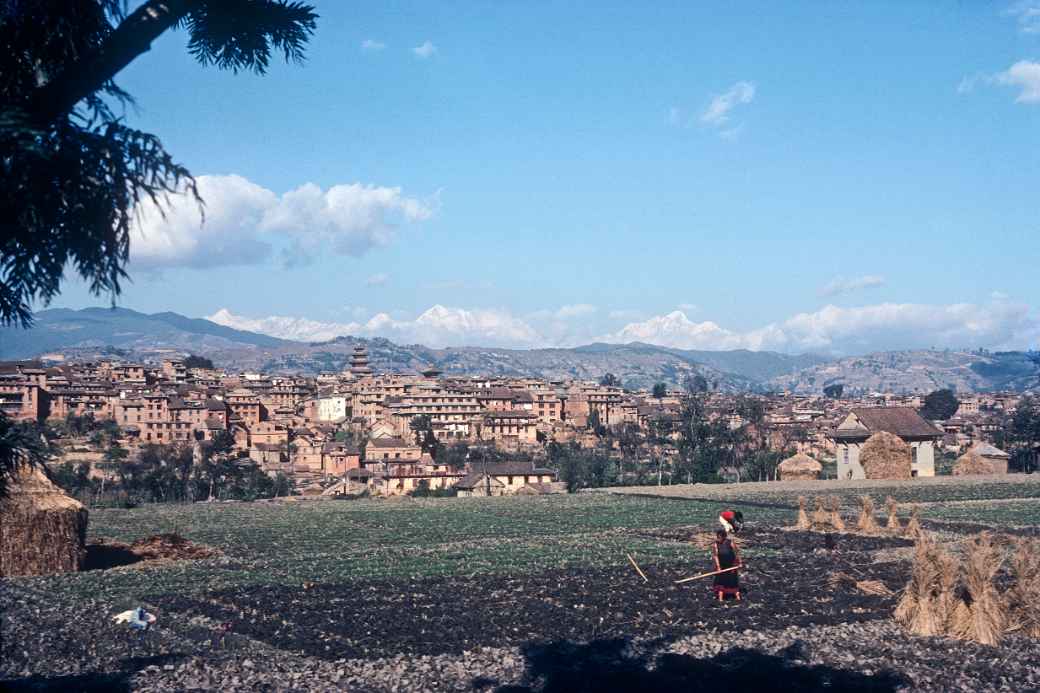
(904, 422)
(333, 408)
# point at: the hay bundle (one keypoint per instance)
(838, 580)
(949, 580)
(893, 514)
(866, 522)
(971, 463)
(917, 608)
(981, 615)
(800, 467)
(885, 456)
(913, 526)
(1022, 600)
(820, 518)
(833, 516)
(803, 517)
(44, 531)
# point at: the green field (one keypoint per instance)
(338, 541)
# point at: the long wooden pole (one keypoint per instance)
(636, 566)
(698, 577)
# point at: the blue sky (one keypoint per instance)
(833, 177)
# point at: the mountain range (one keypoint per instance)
(94, 332)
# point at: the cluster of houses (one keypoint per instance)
(358, 429)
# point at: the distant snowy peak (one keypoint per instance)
(297, 329)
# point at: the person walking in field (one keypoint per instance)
(725, 555)
(731, 520)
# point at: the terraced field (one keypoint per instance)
(508, 593)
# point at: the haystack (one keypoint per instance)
(918, 609)
(885, 456)
(867, 523)
(820, 518)
(893, 514)
(800, 467)
(803, 517)
(970, 464)
(1022, 599)
(833, 516)
(982, 615)
(44, 531)
(913, 527)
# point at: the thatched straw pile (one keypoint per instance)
(803, 517)
(893, 514)
(800, 467)
(867, 523)
(959, 598)
(971, 463)
(920, 608)
(833, 516)
(1023, 598)
(885, 456)
(44, 531)
(981, 616)
(913, 527)
(820, 518)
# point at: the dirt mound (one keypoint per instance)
(103, 554)
(172, 547)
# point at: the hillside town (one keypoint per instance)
(389, 434)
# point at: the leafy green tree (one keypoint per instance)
(834, 391)
(660, 391)
(610, 380)
(21, 443)
(194, 361)
(1024, 434)
(73, 172)
(697, 384)
(422, 429)
(939, 405)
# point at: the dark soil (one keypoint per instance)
(575, 630)
(451, 615)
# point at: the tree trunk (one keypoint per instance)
(131, 38)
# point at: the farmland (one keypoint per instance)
(507, 593)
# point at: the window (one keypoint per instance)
(845, 454)
(913, 455)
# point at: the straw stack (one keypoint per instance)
(803, 517)
(1022, 600)
(982, 615)
(833, 516)
(867, 523)
(43, 530)
(893, 514)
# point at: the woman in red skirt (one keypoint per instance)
(726, 555)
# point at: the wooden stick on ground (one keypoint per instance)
(636, 566)
(698, 577)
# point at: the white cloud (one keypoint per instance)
(845, 285)
(1024, 75)
(372, 45)
(999, 324)
(1027, 15)
(243, 222)
(438, 326)
(719, 109)
(687, 307)
(426, 50)
(378, 279)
